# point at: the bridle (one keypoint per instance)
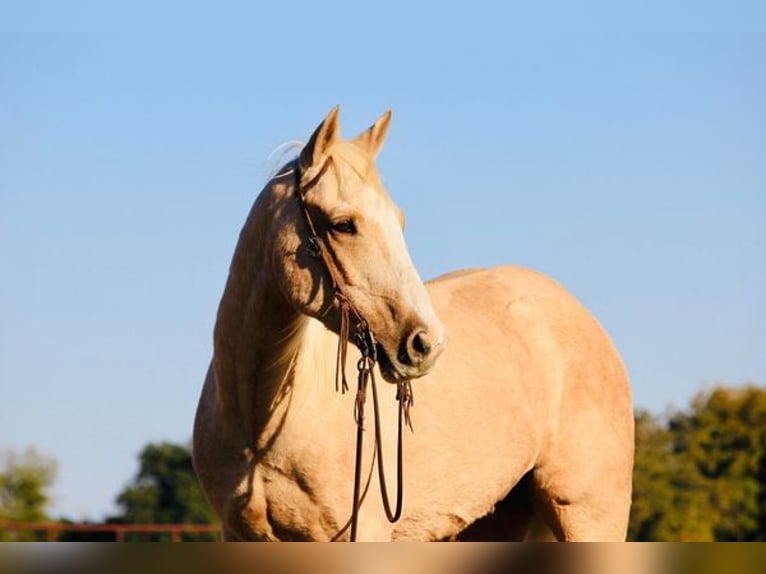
(365, 342)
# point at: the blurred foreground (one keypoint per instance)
(404, 558)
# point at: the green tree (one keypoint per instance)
(25, 480)
(724, 435)
(165, 490)
(700, 474)
(669, 496)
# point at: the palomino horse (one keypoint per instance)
(523, 419)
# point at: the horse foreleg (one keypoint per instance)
(594, 511)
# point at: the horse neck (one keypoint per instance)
(266, 351)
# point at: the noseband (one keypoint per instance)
(365, 342)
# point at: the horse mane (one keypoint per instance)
(277, 156)
(288, 343)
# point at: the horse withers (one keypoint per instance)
(524, 416)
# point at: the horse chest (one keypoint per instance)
(301, 503)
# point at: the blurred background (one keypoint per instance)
(619, 150)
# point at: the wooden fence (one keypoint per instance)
(53, 531)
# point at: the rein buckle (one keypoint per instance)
(315, 250)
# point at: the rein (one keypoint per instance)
(365, 342)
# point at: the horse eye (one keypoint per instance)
(344, 226)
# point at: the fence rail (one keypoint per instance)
(52, 530)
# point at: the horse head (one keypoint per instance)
(361, 232)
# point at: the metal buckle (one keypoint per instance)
(365, 342)
(315, 249)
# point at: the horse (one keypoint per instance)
(523, 424)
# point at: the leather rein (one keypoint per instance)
(365, 342)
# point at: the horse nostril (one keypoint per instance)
(416, 348)
(420, 344)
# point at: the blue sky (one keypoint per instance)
(628, 165)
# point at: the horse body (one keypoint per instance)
(526, 385)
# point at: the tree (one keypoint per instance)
(700, 474)
(24, 483)
(165, 490)
(724, 436)
(669, 496)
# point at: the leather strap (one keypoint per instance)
(365, 341)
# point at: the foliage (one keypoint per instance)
(165, 490)
(669, 497)
(701, 474)
(24, 483)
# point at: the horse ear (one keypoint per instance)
(371, 140)
(323, 137)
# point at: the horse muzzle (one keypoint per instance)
(415, 355)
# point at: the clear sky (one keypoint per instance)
(630, 165)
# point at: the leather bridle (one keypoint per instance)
(365, 341)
